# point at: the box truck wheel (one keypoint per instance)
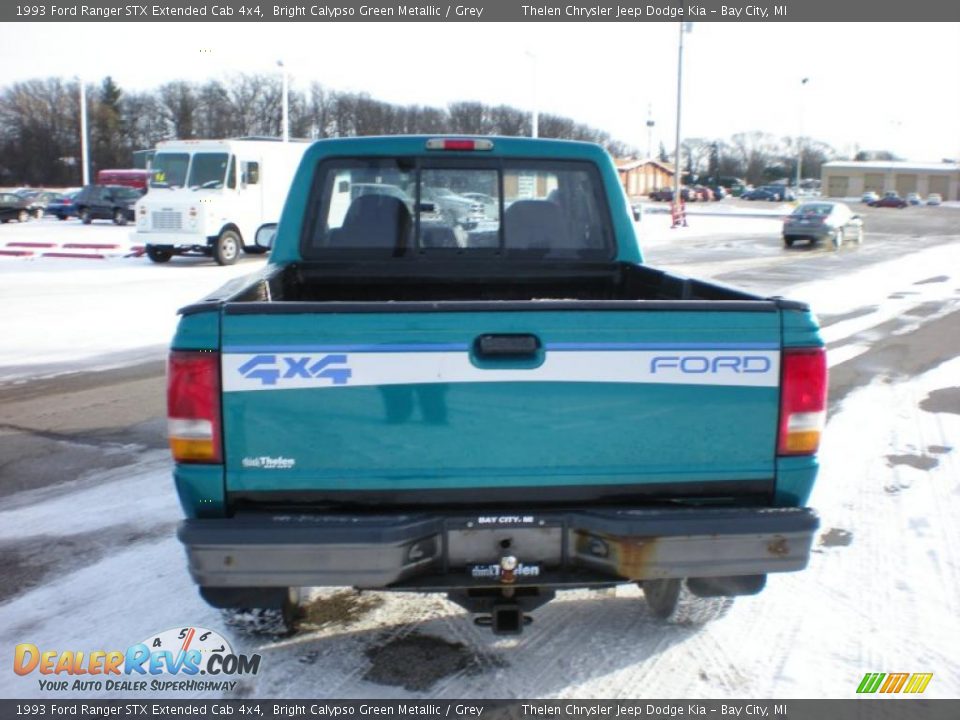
(226, 249)
(158, 254)
(673, 602)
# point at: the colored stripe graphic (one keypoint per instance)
(870, 682)
(894, 683)
(913, 683)
(918, 682)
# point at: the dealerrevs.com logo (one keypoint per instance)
(186, 659)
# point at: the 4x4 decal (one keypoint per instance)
(270, 368)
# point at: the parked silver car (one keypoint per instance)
(816, 221)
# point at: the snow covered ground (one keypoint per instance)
(881, 594)
(104, 312)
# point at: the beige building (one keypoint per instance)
(849, 178)
(641, 177)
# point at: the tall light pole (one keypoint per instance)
(650, 125)
(800, 134)
(535, 120)
(285, 101)
(685, 27)
(84, 151)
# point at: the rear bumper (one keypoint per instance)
(441, 551)
(170, 240)
(809, 231)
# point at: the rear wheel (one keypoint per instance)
(279, 619)
(38, 213)
(788, 242)
(838, 239)
(119, 217)
(85, 217)
(23, 216)
(158, 255)
(674, 603)
(226, 249)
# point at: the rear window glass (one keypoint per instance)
(410, 207)
(814, 209)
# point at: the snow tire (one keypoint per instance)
(672, 602)
(267, 622)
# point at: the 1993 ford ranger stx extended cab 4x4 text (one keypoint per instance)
(495, 403)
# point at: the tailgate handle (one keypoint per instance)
(506, 347)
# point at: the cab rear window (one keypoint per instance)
(412, 207)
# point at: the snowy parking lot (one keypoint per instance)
(91, 561)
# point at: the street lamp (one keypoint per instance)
(535, 122)
(800, 135)
(285, 101)
(685, 27)
(84, 151)
(650, 125)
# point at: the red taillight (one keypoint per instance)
(803, 401)
(458, 144)
(193, 406)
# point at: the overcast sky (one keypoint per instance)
(871, 86)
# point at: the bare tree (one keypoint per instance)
(469, 118)
(39, 132)
(755, 150)
(180, 103)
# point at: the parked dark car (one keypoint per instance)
(63, 207)
(666, 195)
(759, 194)
(14, 207)
(891, 200)
(106, 202)
(770, 192)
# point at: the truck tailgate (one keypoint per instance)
(484, 404)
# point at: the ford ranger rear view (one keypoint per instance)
(462, 378)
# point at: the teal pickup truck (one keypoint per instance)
(457, 375)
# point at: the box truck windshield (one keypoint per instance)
(170, 170)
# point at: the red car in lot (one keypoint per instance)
(891, 200)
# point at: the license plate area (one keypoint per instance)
(478, 547)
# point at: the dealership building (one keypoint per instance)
(848, 178)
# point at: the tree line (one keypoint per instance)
(40, 126)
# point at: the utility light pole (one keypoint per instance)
(650, 125)
(535, 120)
(285, 101)
(800, 135)
(84, 151)
(685, 27)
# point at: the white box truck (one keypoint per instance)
(209, 197)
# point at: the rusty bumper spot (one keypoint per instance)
(778, 546)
